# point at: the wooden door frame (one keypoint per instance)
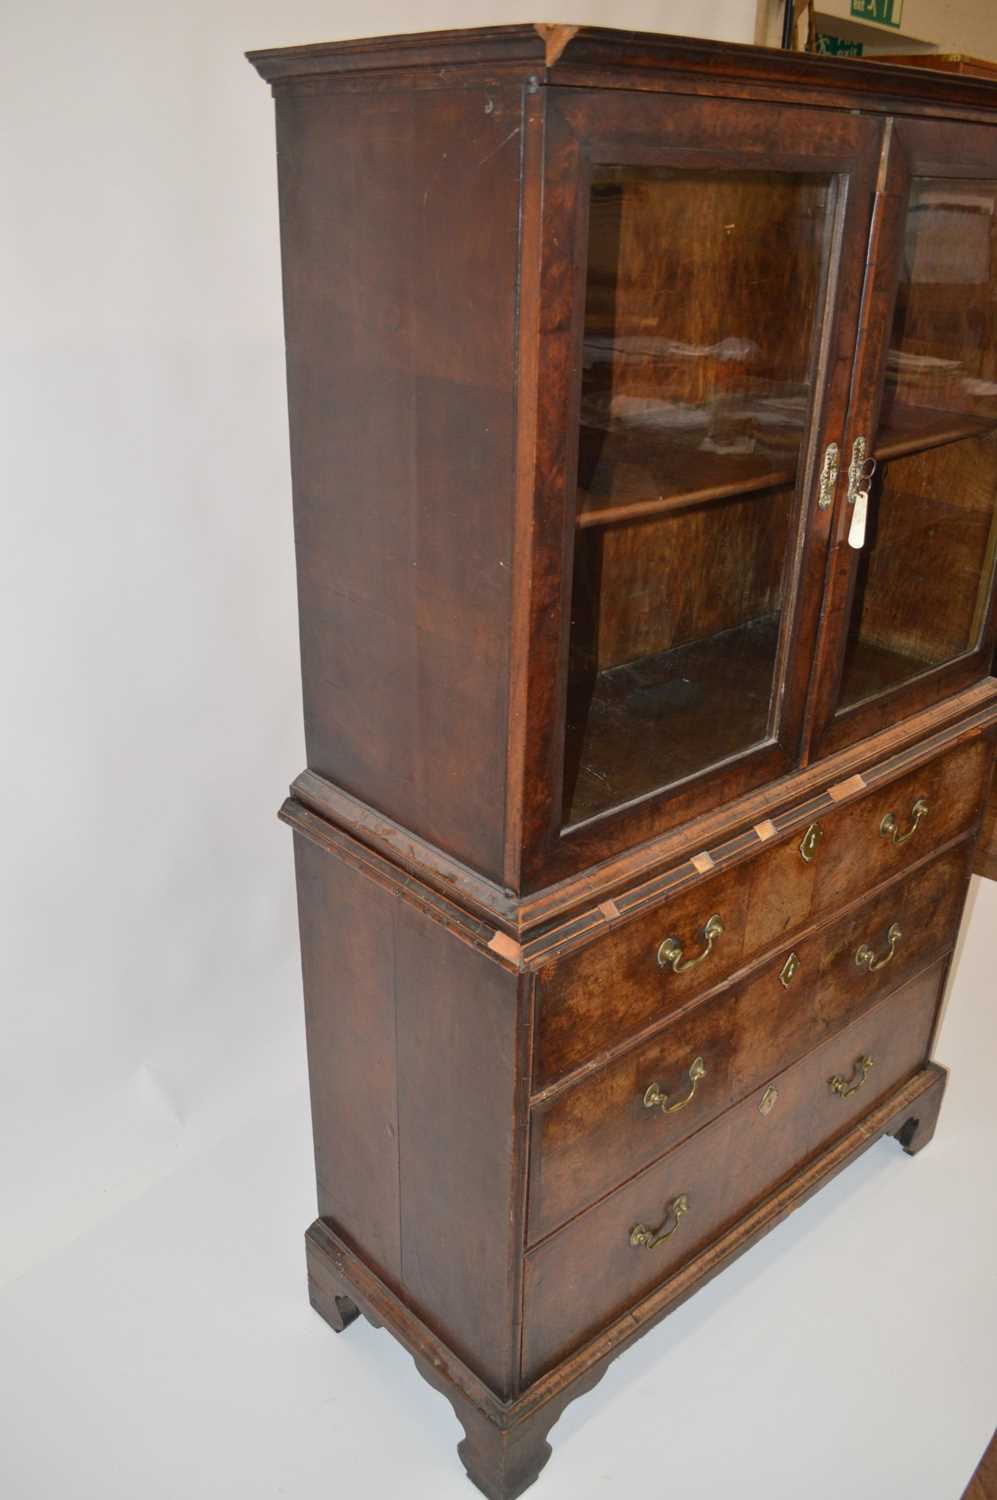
(912, 148)
(582, 128)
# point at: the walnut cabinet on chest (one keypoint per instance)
(643, 404)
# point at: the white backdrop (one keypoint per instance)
(149, 988)
(153, 718)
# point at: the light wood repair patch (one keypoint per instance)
(846, 788)
(505, 947)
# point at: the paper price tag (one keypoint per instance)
(856, 531)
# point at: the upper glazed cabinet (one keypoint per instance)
(726, 378)
(664, 459)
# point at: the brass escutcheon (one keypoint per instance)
(866, 958)
(845, 1087)
(670, 951)
(890, 830)
(808, 845)
(857, 470)
(789, 970)
(642, 1238)
(655, 1099)
(828, 476)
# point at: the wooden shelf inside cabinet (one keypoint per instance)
(627, 475)
(911, 429)
(871, 670)
(722, 684)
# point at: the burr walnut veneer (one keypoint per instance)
(643, 405)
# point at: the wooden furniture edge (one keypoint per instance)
(544, 53)
(521, 42)
(965, 63)
(557, 942)
(500, 946)
(423, 859)
(725, 835)
(986, 849)
(341, 1283)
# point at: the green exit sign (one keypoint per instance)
(837, 46)
(884, 12)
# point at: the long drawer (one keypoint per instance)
(646, 968)
(608, 1258)
(593, 1134)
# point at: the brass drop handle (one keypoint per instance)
(845, 1087)
(646, 1239)
(655, 1099)
(670, 952)
(888, 828)
(866, 958)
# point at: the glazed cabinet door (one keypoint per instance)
(911, 614)
(698, 310)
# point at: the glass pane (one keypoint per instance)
(923, 584)
(703, 296)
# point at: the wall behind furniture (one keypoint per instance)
(955, 26)
(149, 980)
(968, 26)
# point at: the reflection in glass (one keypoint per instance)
(922, 589)
(703, 296)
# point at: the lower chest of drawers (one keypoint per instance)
(603, 1124)
(527, 1144)
(692, 1059)
(606, 1259)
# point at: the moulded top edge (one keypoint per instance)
(550, 51)
(415, 49)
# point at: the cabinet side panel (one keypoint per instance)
(461, 1132)
(347, 962)
(417, 1048)
(400, 242)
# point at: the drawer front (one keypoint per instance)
(589, 1272)
(624, 982)
(596, 1133)
(807, 1112)
(599, 1131)
(594, 999)
(891, 936)
(883, 833)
